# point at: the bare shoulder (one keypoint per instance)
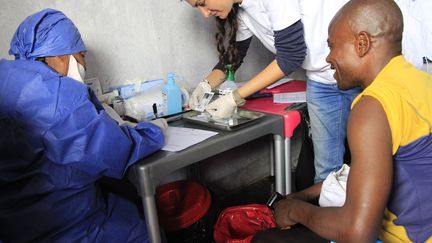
(368, 113)
(370, 176)
(368, 127)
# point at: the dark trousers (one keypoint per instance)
(298, 233)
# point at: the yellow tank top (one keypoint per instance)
(405, 94)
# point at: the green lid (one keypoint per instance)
(230, 73)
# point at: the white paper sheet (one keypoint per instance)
(179, 138)
(290, 97)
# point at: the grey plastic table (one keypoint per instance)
(147, 173)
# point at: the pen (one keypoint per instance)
(259, 95)
(175, 116)
(155, 112)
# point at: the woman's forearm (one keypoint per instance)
(269, 75)
(215, 78)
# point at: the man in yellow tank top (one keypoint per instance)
(389, 186)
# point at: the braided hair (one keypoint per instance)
(226, 45)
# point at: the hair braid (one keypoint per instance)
(222, 40)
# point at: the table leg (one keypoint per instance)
(151, 218)
(279, 164)
(272, 160)
(287, 159)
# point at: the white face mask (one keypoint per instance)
(76, 70)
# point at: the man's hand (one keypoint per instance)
(223, 107)
(282, 212)
(309, 194)
(296, 195)
(198, 93)
(160, 122)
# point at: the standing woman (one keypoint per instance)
(276, 23)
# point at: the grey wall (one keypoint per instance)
(136, 38)
(146, 39)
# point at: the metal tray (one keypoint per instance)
(240, 119)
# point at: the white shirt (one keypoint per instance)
(316, 16)
(417, 35)
(262, 17)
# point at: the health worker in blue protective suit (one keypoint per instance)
(57, 141)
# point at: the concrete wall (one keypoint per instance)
(146, 39)
(136, 38)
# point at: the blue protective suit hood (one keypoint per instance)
(57, 142)
(46, 33)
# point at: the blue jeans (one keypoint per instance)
(328, 109)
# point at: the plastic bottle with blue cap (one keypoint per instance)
(172, 96)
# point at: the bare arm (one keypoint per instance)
(290, 53)
(215, 78)
(309, 194)
(269, 75)
(368, 187)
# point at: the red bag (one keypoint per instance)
(239, 224)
